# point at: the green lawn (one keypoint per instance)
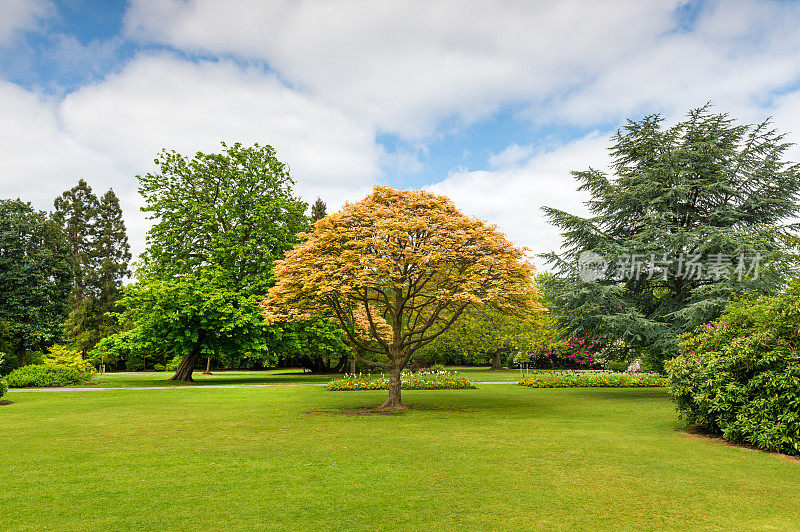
(279, 376)
(160, 378)
(500, 457)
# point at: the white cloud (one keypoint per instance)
(738, 54)
(406, 65)
(511, 196)
(21, 15)
(510, 156)
(111, 131)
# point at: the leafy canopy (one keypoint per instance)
(220, 222)
(396, 270)
(35, 278)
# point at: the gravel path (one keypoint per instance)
(189, 387)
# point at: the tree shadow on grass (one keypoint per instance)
(376, 411)
(3, 402)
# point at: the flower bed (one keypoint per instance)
(592, 379)
(436, 380)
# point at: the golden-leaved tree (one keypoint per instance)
(396, 270)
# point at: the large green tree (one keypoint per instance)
(221, 220)
(691, 215)
(36, 278)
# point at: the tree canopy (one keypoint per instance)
(694, 214)
(396, 270)
(234, 210)
(220, 221)
(36, 278)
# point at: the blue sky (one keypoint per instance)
(491, 103)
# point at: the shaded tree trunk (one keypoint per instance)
(353, 365)
(208, 366)
(186, 367)
(341, 364)
(393, 401)
(497, 362)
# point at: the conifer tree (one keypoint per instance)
(75, 211)
(676, 231)
(318, 210)
(98, 242)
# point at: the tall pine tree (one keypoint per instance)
(99, 245)
(75, 210)
(318, 210)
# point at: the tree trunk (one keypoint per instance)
(393, 401)
(208, 366)
(186, 367)
(497, 362)
(341, 364)
(353, 365)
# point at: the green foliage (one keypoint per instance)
(617, 365)
(421, 380)
(100, 253)
(74, 212)
(704, 186)
(318, 210)
(59, 355)
(3, 387)
(740, 375)
(592, 379)
(46, 376)
(234, 211)
(221, 220)
(318, 344)
(160, 367)
(35, 279)
(484, 335)
(173, 364)
(173, 317)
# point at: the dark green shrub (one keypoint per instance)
(44, 376)
(3, 387)
(160, 367)
(617, 365)
(740, 375)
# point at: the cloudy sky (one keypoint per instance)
(491, 103)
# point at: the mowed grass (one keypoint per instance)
(161, 378)
(278, 376)
(499, 457)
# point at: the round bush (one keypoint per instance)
(46, 376)
(740, 375)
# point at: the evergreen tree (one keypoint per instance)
(318, 210)
(99, 245)
(75, 210)
(669, 231)
(111, 250)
